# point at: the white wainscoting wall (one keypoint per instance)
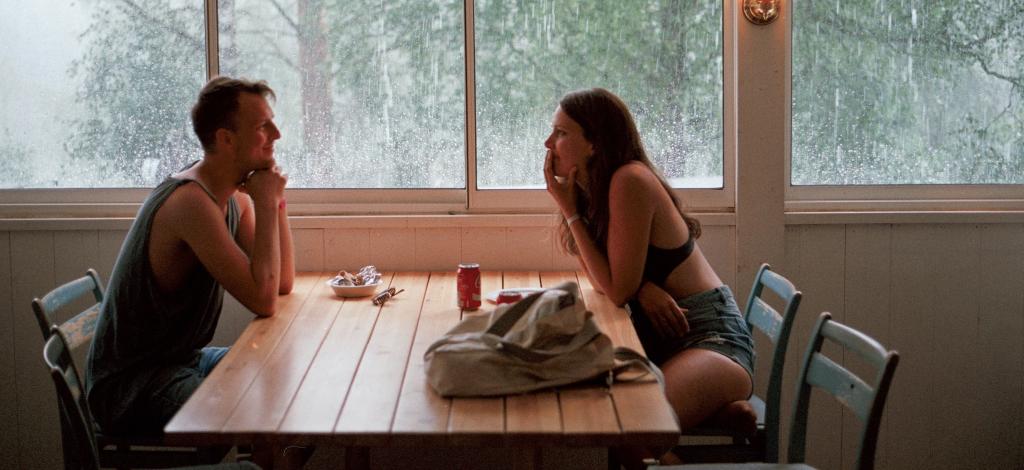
(949, 297)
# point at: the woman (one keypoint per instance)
(627, 230)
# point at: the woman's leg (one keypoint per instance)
(699, 382)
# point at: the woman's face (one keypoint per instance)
(567, 145)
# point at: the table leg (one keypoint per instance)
(527, 459)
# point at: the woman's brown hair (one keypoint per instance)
(608, 125)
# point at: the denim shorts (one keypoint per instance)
(715, 324)
(164, 394)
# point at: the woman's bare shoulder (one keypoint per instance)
(634, 176)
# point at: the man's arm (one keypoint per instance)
(246, 234)
(287, 250)
(252, 277)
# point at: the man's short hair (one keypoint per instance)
(217, 106)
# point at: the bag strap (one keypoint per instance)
(587, 334)
(504, 323)
(629, 358)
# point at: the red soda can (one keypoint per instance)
(468, 278)
(508, 297)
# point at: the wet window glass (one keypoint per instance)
(664, 58)
(97, 94)
(908, 92)
(371, 94)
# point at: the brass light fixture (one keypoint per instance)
(761, 11)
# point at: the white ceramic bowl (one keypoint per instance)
(354, 291)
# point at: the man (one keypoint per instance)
(219, 224)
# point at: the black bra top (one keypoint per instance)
(662, 261)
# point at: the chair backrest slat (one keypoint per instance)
(777, 326)
(763, 317)
(865, 346)
(80, 327)
(864, 396)
(847, 388)
(780, 285)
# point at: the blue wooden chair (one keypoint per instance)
(79, 329)
(763, 446)
(77, 332)
(80, 443)
(864, 396)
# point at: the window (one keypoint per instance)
(908, 93)
(663, 58)
(96, 94)
(371, 95)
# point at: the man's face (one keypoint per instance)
(254, 133)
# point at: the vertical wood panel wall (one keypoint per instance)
(948, 297)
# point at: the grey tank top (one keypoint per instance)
(141, 331)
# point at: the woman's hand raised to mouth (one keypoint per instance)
(564, 191)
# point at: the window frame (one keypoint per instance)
(882, 197)
(124, 202)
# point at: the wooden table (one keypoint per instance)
(343, 372)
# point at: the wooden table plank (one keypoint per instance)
(421, 411)
(641, 407)
(205, 413)
(521, 279)
(373, 397)
(347, 373)
(319, 399)
(531, 414)
(588, 415)
(554, 278)
(477, 416)
(586, 412)
(613, 320)
(264, 404)
(487, 415)
(490, 281)
(471, 416)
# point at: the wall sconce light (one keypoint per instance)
(761, 11)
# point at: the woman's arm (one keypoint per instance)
(619, 273)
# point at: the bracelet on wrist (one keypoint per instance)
(572, 218)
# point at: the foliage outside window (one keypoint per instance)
(371, 94)
(908, 92)
(664, 58)
(97, 93)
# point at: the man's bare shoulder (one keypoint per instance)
(188, 206)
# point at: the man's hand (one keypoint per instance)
(266, 185)
(663, 311)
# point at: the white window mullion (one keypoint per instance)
(470, 35)
(212, 40)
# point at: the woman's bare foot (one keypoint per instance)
(670, 458)
(737, 416)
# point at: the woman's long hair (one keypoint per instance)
(608, 125)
